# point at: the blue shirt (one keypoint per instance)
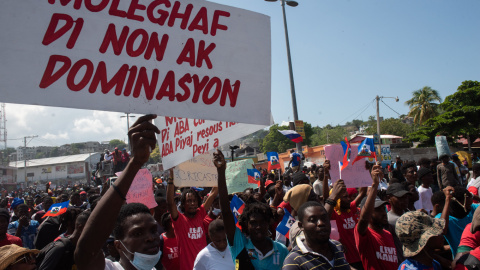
(456, 227)
(273, 260)
(295, 159)
(28, 232)
(410, 264)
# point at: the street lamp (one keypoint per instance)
(128, 126)
(232, 149)
(378, 116)
(290, 69)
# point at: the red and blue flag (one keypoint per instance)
(286, 223)
(292, 135)
(366, 150)
(237, 206)
(57, 209)
(253, 176)
(273, 162)
(347, 151)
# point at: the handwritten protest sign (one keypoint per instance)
(141, 189)
(197, 172)
(182, 139)
(442, 146)
(179, 58)
(237, 176)
(354, 176)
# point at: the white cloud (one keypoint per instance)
(50, 136)
(284, 123)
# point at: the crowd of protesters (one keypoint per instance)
(414, 215)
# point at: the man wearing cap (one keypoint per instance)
(125, 158)
(5, 238)
(117, 160)
(375, 244)
(420, 235)
(398, 199)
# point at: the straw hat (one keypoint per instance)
(10, 253)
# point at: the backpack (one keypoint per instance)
(66, 262)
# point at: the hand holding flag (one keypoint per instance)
(287, 222)
(273, 162)
(57, 209)
(347, 150)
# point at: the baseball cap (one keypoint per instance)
(414, 229)
(378, 202)
(397, 190)
(422, 172)
(299, 177)
(83, 192)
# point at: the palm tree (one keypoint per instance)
(422, 106)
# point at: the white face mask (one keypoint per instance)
(216, 211)
(143, 261)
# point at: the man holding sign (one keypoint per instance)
(188, 225)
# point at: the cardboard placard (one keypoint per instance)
(179, 58)
(442, 146)
(197, 172)
(237, 176)
(354, 176)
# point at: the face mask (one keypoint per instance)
(216, 211)
(143, 261)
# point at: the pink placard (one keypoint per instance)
(354, 175)
(141, 189)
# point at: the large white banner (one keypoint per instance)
(184, 58)
(182, 139)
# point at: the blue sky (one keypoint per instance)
(344, 54)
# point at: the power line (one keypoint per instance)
(391, 108)
(364, 108)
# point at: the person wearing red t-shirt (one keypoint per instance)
(345, 212)
(188, 226)
(170, 259)
(375, 244)
(5, 238)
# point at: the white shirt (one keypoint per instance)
(108, 157)
(474, 182)
(419, 204)
(425, 195)
(210, 258)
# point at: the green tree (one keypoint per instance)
(54, 152)
(155, 155)
(275, 141)
(392, 126)
(74, 149)
(117, 143)
(422, 105)
(39, 155)
(460, 116)
(329, 135)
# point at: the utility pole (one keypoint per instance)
(25, 157)
(128, 127)
(378, 116)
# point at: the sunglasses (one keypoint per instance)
(25, 258)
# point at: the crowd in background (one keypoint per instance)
(414, 215)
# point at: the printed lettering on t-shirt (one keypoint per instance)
(276, 258)
(348, 223)
(388, 254)
(173, 253)
(195, 233)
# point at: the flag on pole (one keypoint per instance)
(366, 150)
(292, 135)
(273, 162)
(237, 206)
(253, 176)
(347, 151)
(286, 223)
(57, 209)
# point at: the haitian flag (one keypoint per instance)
(292, 135)
(237, 206)
(287, 222)
(347, 151)
(57, 209)
(273, 160)
(366, 150)
(253, 176)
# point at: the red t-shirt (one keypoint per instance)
(468, 239)
(346, 223)
(191, 237)
(376, 250)
(206, 222)
(170, 258)
(11, 239)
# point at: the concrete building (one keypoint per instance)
(58, 170)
